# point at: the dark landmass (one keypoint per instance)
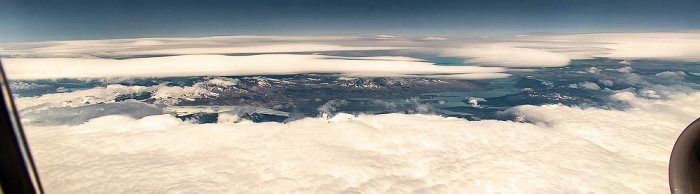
(308, 89)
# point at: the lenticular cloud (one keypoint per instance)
(566, 150)
(509, 56)
(269, 64)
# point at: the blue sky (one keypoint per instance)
(39, 20)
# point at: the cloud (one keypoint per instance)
(223, 81)
(475, 101)
(197, 46)
(589, 85)
(281, 48)
(384, 37)
(566, 150)
(518, 51)
(508, 56)
(627, 69)
(331, 106)
(682, 46)
(667, 45)
(672, 74)
(433, 38)
(468, 76)
(593, 70)
(650, 94)
(558, 50)
(220, 65)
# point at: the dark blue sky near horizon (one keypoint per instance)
(42, 20)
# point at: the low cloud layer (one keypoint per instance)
(566, 150)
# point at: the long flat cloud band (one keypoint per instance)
(295, 54)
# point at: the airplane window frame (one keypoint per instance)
(18, 173)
